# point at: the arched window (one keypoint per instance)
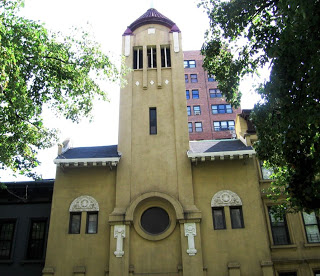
(84, 204)
(222, 199)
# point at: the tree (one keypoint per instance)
(39, 68)
(245, 35)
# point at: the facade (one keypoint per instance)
(24, 223)
(157, 204)
(209, 115)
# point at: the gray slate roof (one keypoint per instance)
(207, 146)
(90, 152)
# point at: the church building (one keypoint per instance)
(159, 204)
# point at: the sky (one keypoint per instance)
(107, 20)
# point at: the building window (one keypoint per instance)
(196, 110)
(287, 273)
(198, 126)
(194, 78)
(75, 223)
(219, 221)
(223, 125)
(316, 273)
(165, 56)
(187, 94)
(311, 225)
(137, 58)
(189, 110)
(211, 78)
(266, 172)
(221, 108)
(215, 93)
(6, 238)
(153, 120)
(236, 217)
(152, 56)
(190, 127)
(36, 241)
(92, 223)
(279, 228)
(189, 64)
(195, 94)
(186, 79)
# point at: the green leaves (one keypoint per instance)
(244, 35)
(40, 68)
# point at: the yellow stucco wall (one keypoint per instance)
(66, 251)
(247, 246)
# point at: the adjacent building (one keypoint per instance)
(24, 223)
(209, 115)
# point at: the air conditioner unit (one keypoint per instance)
(197, 112)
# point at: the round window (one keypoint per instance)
(155, 220)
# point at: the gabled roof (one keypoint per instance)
(84, 156)
(152, 16)
(218, 149)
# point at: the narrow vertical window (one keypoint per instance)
(312, 226)
(92, 223)
(236, 217)
(219, 221)
(137, 58)
(36, 241)
(187, 94)
(190, 127)
(152, 57)
(165, 56)
(189, 110)
(75, 223)
(153, 120)
(6, 238)
(279, 229)
(186, 79)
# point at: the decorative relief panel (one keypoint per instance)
(225, 198)
(84, 204)
(119, 234)
(190, 232)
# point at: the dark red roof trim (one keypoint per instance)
(152, 16)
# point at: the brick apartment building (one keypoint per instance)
(210, 117)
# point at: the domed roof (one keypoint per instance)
(152, 16)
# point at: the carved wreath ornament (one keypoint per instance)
(225, 198)
(83, 204)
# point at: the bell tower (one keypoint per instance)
(154, 192)
(153, 131)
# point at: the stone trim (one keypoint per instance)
(84, 203)
(225, 198)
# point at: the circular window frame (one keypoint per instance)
(147, 204)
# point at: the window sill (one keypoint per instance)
(315, 244)
(266, 180)
(32, 262)
(6, 261)
(286, 246)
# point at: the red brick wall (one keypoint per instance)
(205, 102)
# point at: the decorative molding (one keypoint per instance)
(152, 82)
(137, 83)
(119, 234)
(225, 198)
(176, 46)
(151, 31)
(190, 232)
(127, 46)
(84, 203)
(166, 82)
